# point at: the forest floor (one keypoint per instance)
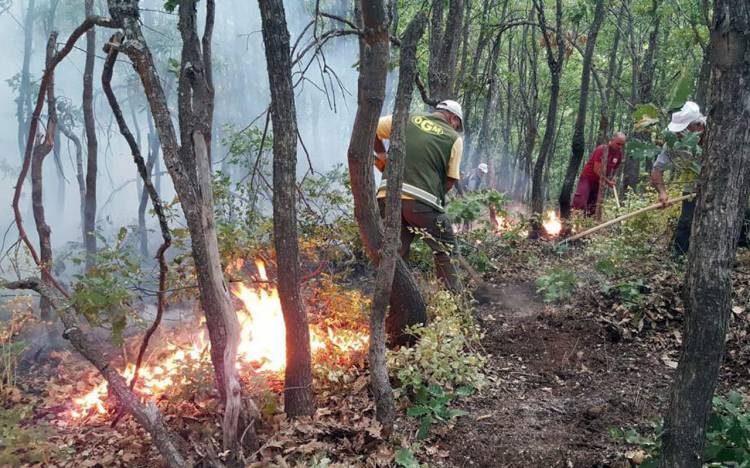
(562, 376)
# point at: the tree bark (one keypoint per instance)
(554, 62)
(298, 392)
(444, 44)
(407, 307)
(41, 149)
(189, 167)
(721, 200)
(89, 220)
(385, 409)
(578, 144)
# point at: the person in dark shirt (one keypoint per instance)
(588, 182)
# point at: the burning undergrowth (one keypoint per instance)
(68, 395)
(183, 360)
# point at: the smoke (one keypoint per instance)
(325, 102)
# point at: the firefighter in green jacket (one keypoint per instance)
(434, 147)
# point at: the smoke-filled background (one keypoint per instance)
(325, 100)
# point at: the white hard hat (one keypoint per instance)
(690, 113)
(453, 107)
(483, 167)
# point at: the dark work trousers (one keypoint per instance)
(585, 196)
(681, 240)
(435, 229)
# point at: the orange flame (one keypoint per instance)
(262, 343)
(552, 224)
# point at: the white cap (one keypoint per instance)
(453, 107)
(483, 167)
(690, 113)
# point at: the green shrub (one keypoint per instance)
(557, 284)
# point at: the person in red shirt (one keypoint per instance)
(588, 182)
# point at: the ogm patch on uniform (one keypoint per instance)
(427, 125)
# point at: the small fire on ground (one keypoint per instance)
(262, 347)
(552, 224)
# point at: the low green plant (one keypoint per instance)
(727, 435)
(557, 284)
(23, 445)
(442, 366)
(432, 403)
(630, 293)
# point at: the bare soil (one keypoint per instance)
(558, 381)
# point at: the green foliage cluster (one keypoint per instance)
(444, 354)
(470, 207)
(103, 294)
(431, 404)
(442, 366)
(557, 284)
(727, 435)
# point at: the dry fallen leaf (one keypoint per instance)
(636, 456)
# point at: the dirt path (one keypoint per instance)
(558, 382)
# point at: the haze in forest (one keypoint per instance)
(325, 102)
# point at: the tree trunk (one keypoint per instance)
(464, 47)
(491, 103)
(722, 196)
(578, 144)
(41, 149)
(385, 409)
(298, 393)
(474, 80)
(188, 164)
(407, 307)
(554, 62)
(632, 166)
(89, 220)
(605, 121)
(23, 102)
(444, 43)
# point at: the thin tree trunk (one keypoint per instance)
(189, 167)
(721, 201)
(407, 307)
(605, 121)
(385, 409)
(41, 149)
(578, 144)
(153, 154)
(444, 43)
(490, 106)
(298, 393)
(23, 102)
(89, 221)
(632, 166)
(554, 62)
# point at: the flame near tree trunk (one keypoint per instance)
(262, 347)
